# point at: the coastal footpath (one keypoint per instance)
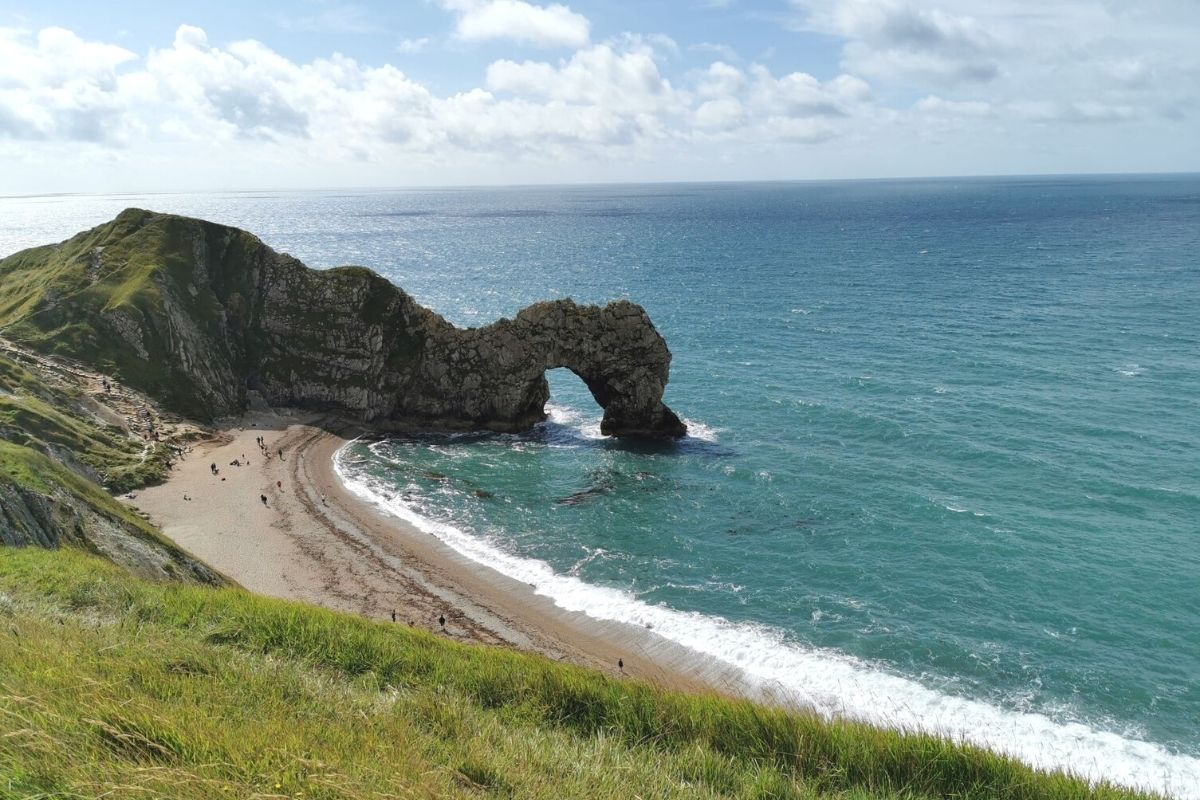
(173, 395)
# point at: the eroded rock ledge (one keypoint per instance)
(204, 316)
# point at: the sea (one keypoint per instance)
(943, 462)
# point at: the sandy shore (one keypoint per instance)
(316, 542)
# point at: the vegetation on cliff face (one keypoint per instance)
(59, 418)
(196, 314)
(196, 692)
(63, 442)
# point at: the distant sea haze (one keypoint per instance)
(943, 468)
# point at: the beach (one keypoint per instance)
(314, 541)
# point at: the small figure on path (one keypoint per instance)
(278, 484)
(621, 664)
(263, 497)
(393, 615)
(442, 620)
(281, 455)
(213, 467)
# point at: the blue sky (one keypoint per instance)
(173, 96)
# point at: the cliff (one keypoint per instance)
(202, 316)
(64, 441)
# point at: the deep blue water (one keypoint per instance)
(947, 463)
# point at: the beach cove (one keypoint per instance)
(315, 541)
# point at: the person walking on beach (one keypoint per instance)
(393, 615)
(442, 620)
(263, 497)
(621, 664)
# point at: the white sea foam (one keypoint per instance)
(575, 420)
(698, 430)
(589, 427)
(830, 682)
(1130, 370)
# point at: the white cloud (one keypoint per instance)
(1070, 83)
(413, 46)
(1030, 60)
(723, 113)
(799, 94)
(933, 104)
(545, 26)
(895, 39)
(59, 86)
(599, 75)
(1080, 111)
(721, 79)
(604, 98)
(723, 50)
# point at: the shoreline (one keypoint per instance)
(317, 542)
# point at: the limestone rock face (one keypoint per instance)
(497, 373)
(199, 314)
(56, 518)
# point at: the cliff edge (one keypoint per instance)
(201, 316)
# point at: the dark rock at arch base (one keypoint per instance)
(208, 318)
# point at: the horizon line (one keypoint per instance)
(586, 184)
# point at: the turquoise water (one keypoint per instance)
(945, 467)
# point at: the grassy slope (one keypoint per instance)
(113, 685)
(45, 417)
(32, 471)
(52, 298)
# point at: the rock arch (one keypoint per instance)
(220, 320)
(495, 376)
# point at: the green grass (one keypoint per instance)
(69, 494)
(117, 687)
(81, 297)
(47, 418)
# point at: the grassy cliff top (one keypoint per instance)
(101, 296)
(197, 693)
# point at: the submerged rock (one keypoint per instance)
(211, 320)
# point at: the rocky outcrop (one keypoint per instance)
(203, 316)
(53, 515)
(497, 373)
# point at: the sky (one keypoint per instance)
(222, 95)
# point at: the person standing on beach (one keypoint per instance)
(263, 497)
